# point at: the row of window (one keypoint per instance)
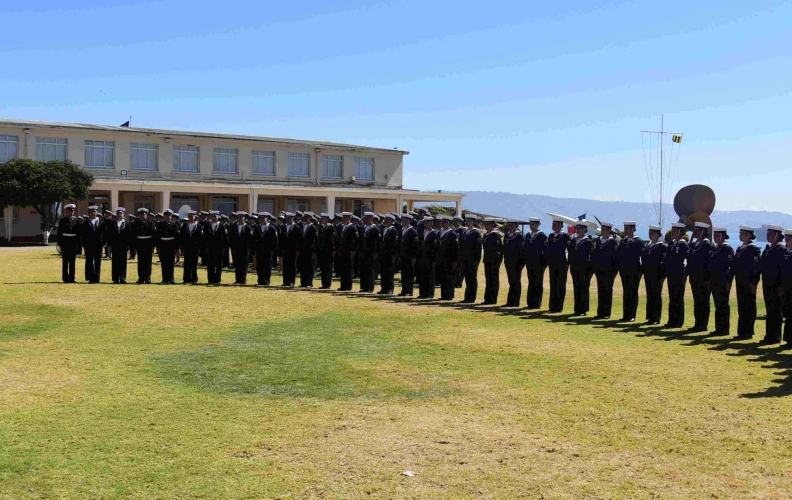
(101, 154)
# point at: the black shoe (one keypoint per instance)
(770, 341)
(719, 333)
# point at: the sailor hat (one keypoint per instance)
(142, 210)
(254, 214)
(281, 217)
(718, 229)
(308, 214)
(490, 220)
(368, 214)
(787, 232)
(167, 211)
(422, 209)
(456, 217)
(120, 209)
(265, 214)
(678, 225)
(70, 206)
(324, 214)
(702, 225)
(356, 218)
(191, 212)
(214, 212)
(773, 227)
(347, 214)
(390, 216)
(471, 216)
(108, 211)
(534, 220)
(233, 214)
(580, 223)
(414, 214)
(243, 214)
(558, 219)
(630, 223)
(298, 213)
(93, 207)
(609, 225)
(655, 227)
(407, 216)
(223, 216)
(428, 218)
(288, 214)
(747, 228)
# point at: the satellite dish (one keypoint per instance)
(695, 198)
(183, 211)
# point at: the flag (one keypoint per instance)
(125, 124)
(581, 217)
(676, 138)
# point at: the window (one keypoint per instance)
(100, 200)
(14, 213)
(99, 154)
(144, 201)
(264, 162)
(179, 201)
(294, 205)
(224, 205)
(332, 166)
(143, 156)
(299, 164)
(225, 160)
(363, 206)
(9, 145)
(185, 159)
(266, 205)
(51, 149)
(337, 208)
(364, 168)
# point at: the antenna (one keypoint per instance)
(660, 175)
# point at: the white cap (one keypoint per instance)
(747, 228)
(655, 227)
(787, 232)
(773, 227)
(534, 219)
(71, 206)
(678, 225)
(607, 224)
(630, 223)
(702, 225)
(558, 219)
(580, 223)
(368, 214)
(718, 229)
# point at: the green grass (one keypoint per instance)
(245, 392)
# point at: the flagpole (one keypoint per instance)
(662, 146)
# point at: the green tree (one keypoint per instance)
(43, 186)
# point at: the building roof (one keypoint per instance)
(7, 122)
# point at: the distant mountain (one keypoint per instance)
(522, 206)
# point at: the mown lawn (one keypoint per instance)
(242, 392)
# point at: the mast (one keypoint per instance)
(662, 144)
(651, 173)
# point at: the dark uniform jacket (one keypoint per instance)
(698, 257)
(69, 233)
(629, 253)
(191, 239)
(390, 238)
(370, 243)
(408, 248)
(492, 247)
(265, 238)
(654, 260)
(557, 246)
(677, 255)
(214, 239)
(772, 265)
(746, 266)
(513, 248)
(309, 243)
(536, 249)
(169, 229)
(291, 238)
(604, 257)
(580, 256)
(349, 239)
(448, 253)
(92, 236)
(720, 264)
(470, 245)
(119, 237)
(429, 247)
(328, 240)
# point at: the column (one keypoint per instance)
(410, 205)
(113, 199)
(165, 201)
(331, 203)
(253, 201)
(459, 207)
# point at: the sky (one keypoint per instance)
(523, 96)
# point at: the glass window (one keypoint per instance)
(142, 156)
(294, 205)
(48, 149)
(99, 154)
(225, 160)
(185, 158)
(364, 168)
(14, 213)
(224, 204)
(332, 166)
(361, 206)
(299, 164)
(9, 146)
(179, 201)
(266, 205)
(264, 162)
(337, 208)
(144, 201)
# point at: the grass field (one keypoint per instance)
(242, 392)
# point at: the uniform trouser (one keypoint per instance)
(387, 272)
(289, 267)
(581, 283)
(326, 266)
(190, 274)
(167, 254)
(367, 273)
(469, 269)
(448, 283)
(605, 279)
(307, 269)
(68, 258)
(438, 270)
(132, 252)
(345, 265)
(214, 265)
(676, 301)
(774, 313)
(631, 282)
(491, 282)
(93, 264)
(746, 310)
(426, 280)
(720, 296)
(226, 257)
(356, 264)
(240, 265)
(654, 298)
(119, 265)
(337, 264)
(514, 275)
(535, 273)
(144, 262)
(787, 301)
(701, 300)
(264, 269)
(558, 284)
(407, 276)
(459, 275)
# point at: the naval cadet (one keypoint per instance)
(720, 277)
(132, 245)
(580, 266)
(447, 258)
(408, 254)
(427, 259)
(513, 261)
(68, 242)
(265, 241)
(144, 233)
(535, 262)
(772, 283)
(119, 237)
(470, 257)
(328, 249)
(167, 237)
(457, 226)
(291, 250)
(676, 273)
(697, 267)
(191, 239)
(604, 265)
(214, 237)
(388, 254)
(786, 287)
(93, 240)
(629, 255)
(746, 268)
(559, 244)
(239, 240)
(492, 248)
(653, 263)
(369, 250)
(108, 219)
(338, 224)
(347, 247)
(309, 244)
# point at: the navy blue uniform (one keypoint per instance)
(772, 281)
(514, 260)
(92, 239)
(388, 256)
(469, 259)
(697, 266)
(191, 241)
(214, 239)
(309, 245)
(408, 256)
(654, 271)
(720, 277)
(604, 265)
(240, 238)
(580, 264)
(347, 247)
(746, 269)
(786, 300)
(369, 248)
(119, 238)
(535, 265)
(629, 255)
(328, 249)
(458, 272)
(292, 236)
(265, 241)
(427, 259)
(447, 262)
(70, 245)
(492, 248)
(676, 271)
(557, 262)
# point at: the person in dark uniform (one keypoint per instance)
(629, 255)
(514, 260)
(240, 237)
(719, 278)
(191, 240)
(697, 266)
(676, 272)
(69, 242)
(535, 262)
(265, 241)
(144, 233)
(492, 248)
(328, 249)
(772, 283)
(203, 220)
(108, 248)
(230, 223)
(653, 263)
(168, 239)
(291, 249)
(119, 236)
(309, 244)
(447, 258)
(427, 260)
(92, 240)
(604, 265)
(558, 246)
(746, 268)
(388, 254)
(214, 237)
(132, 244)
(408, 255)
(369, 249)
(470, 257)
(338, 224)
(786, 287)
(580, 265)
(457, 223)
(347, 247)
(397, 228)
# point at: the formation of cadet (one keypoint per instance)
(448, 257)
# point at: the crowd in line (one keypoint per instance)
(446, 252)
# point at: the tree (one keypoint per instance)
(42, 185)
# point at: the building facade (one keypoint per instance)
(182, 170)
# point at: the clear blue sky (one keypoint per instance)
(518, 96)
